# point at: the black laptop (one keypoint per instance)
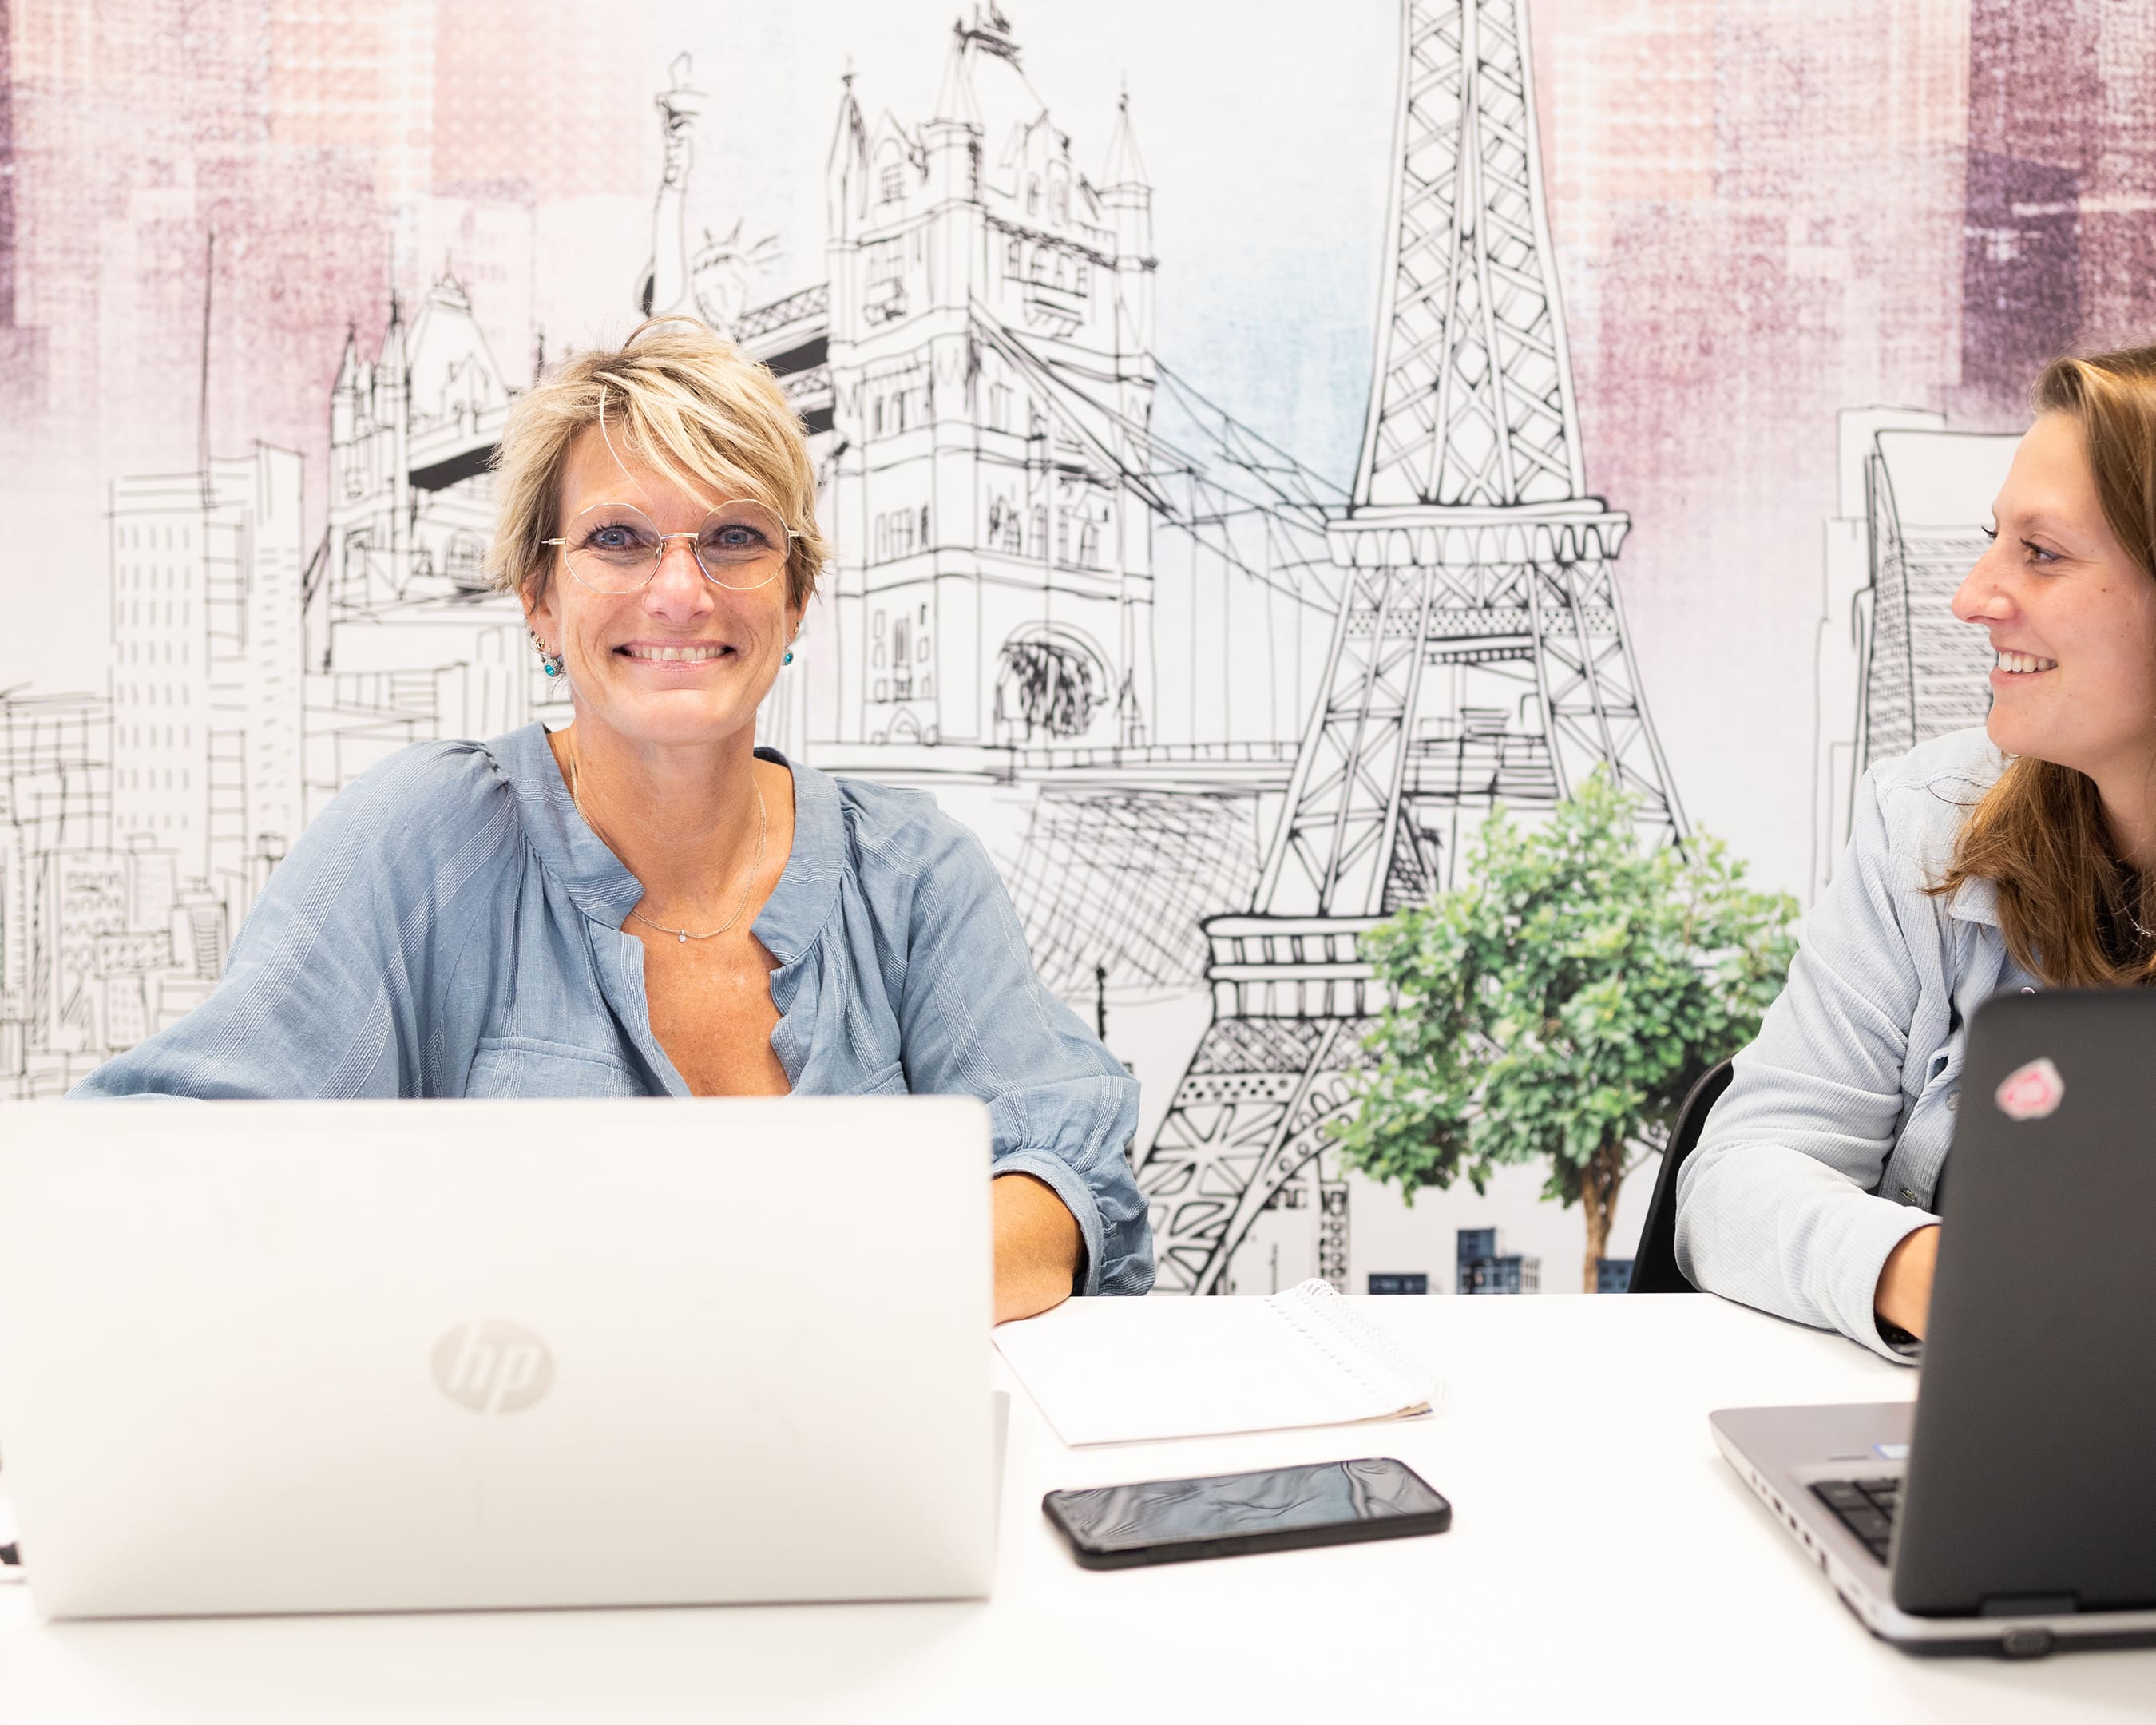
(2012, 1508)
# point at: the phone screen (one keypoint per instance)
(1275, 1501)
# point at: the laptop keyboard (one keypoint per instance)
(1866, 1507)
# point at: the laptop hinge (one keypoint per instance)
(2028, 1604)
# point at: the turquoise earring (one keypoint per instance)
(551, 663)
(788, 660)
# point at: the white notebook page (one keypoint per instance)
(1121, 1371)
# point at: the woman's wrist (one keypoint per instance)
(1904, 1295)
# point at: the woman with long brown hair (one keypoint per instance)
(2020, 856)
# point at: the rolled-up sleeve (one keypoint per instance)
(975, 1020)
(1777, 1207)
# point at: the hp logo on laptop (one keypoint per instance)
(493, 1366)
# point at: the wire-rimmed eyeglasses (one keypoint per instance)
(617, 548)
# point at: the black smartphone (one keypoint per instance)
(1225, 1514)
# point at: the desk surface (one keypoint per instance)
(1602, 1562)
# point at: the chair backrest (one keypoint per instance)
(1654, 1265)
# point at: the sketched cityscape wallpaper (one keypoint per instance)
(1239, 479)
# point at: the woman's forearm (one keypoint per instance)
(1904, 1298)
(1037, 1246)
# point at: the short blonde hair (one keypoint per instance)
(687, 402)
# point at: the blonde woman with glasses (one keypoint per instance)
(643, 902)
(2020, 856)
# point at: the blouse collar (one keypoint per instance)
(808, 892)
(604, 891)
(1974, 900)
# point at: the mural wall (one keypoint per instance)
(1250, 455)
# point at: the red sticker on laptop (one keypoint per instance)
(2031, 1093)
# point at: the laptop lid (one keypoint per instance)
(307, 1356)
(2030, 1485)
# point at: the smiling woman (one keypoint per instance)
(2023, 855)
(2066, 838)
(644, 902)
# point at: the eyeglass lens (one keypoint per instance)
(615, 547)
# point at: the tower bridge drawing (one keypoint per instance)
(1242, 709)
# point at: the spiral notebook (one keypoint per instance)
(1129, 1371)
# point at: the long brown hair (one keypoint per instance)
(2071, 910)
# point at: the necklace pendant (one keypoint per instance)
(683, 934)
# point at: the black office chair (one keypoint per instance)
(1654, 1265)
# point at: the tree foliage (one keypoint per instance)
(1558, 1009)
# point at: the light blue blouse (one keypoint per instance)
(1825, 1152)
(449, 926)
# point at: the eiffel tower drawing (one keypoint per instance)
(1479, 653)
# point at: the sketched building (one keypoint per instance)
(206, 670)
(203, 795)
(1928, 497)
(994, 580)
(55, 797)
(1896, 668)
(97, 944)
(1479, 653)
(1058, 567)
(405, 643)
(251, 681)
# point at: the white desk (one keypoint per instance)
(1604, 1564)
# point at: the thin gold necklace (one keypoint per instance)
(756, 868)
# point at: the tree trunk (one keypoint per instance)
(1599, 1184)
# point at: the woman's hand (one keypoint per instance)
(1037, 1246)
(1905, 1283)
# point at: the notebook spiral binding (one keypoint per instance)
(1316, 1308)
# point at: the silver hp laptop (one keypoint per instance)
(386, 1356)
(2013, 1509)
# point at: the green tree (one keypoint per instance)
(1558, 1009)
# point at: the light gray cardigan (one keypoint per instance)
(1827, 1146)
